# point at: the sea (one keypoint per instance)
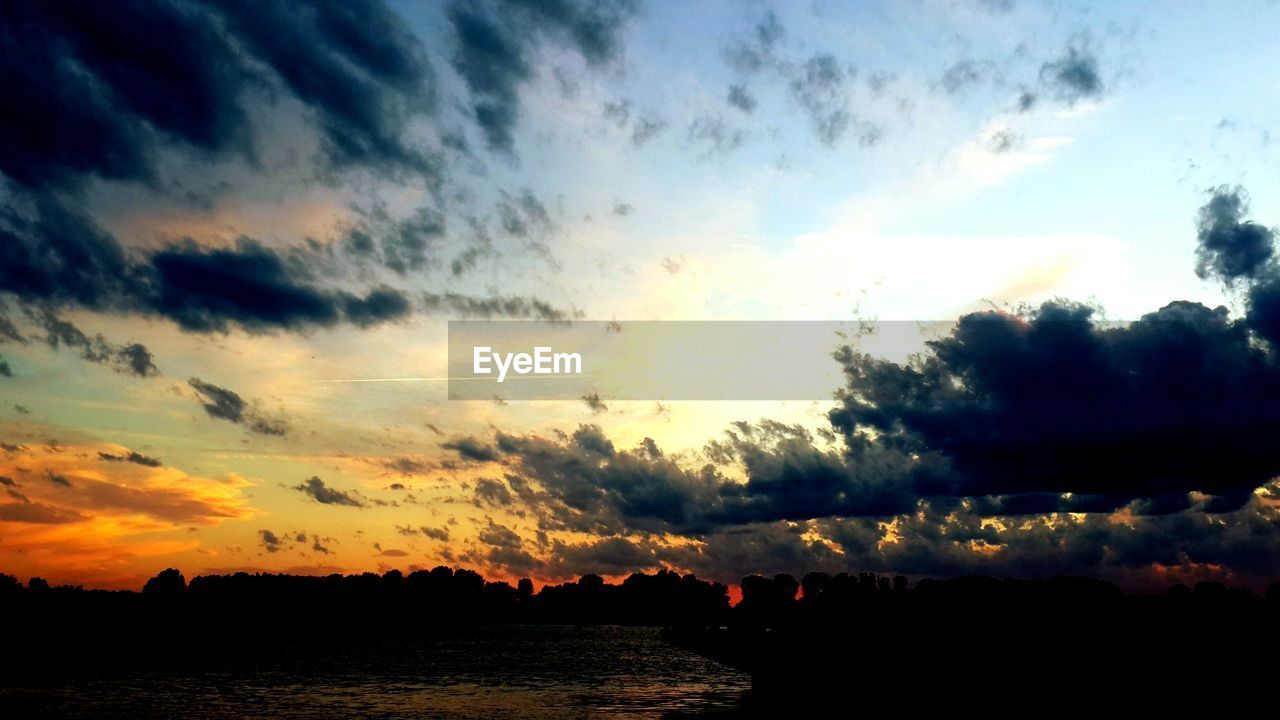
(501, 671)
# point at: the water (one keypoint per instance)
(482, 672)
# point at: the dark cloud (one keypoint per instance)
(1230, 247)
(740, 98)
(441, 534)
(130, 359)
(1074, 76)
(381, 305)
(1001, 141)
(594, 403)
(132, 457)
(9, 331)
(58, 480)
(467, 306)
(605, 556)
(5, 370)
(224, 404)
(526, 218)
(821, 88)
(756, 53)
(643, 128)
(137, 360)
(646, 129)
(97, 93)
(821, 85)
(492, 492)
(964, 73)
(50, 253)
(472, 449)
(496, 44)
(583, 483)
(715, 134)
(54, 255)
(356, 66)
(403, 246)
(27, 511)
(254, 287)
(506, 549)
(325, 495)
(407, 466)
(123, 81)
(1030, 443)
(270, 541)
(1178, 402)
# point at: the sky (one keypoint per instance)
(232, 237)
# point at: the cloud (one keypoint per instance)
(125, 81)
(594, 403)
(119, 493)
(1054, 402)
(270, 541)
(401, 246)
(1229, 247)
(357, 67)
(495, 44)
(506, 549)
(1074, 76)
(318, 491)
(255, 288)
(472, 449)
(441, 534)
(716, 134)
(756, 53)
(131, 85)
(740, 98)
(55, 255)
(492, 492)
(962, 74)
(496, 306)
(646, 129)
(223, 404)
(26, 511)
(1032, 442)
(131, 456)
(131, 359)
(407, 466)
(820, 87)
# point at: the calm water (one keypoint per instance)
(494, 672)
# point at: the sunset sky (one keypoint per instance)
(232, 236)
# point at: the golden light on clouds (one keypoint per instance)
(103, 510)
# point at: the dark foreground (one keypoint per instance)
(447, 644)
(499, 671)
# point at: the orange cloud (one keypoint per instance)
(70, 514)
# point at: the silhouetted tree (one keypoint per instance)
(166, 582)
